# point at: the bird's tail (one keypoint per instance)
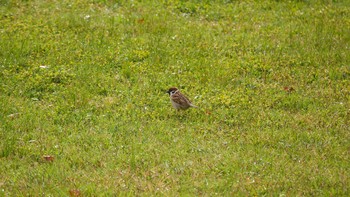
(193, 106)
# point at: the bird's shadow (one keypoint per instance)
(181, 115)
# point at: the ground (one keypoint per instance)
(84, 109)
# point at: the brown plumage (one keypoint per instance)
(178, 100)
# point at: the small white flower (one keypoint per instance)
(44, 66)
(87, 17)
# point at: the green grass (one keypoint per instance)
(85, 81)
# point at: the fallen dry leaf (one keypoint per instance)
(141, 20)
(208, 112)
(12, 116)
(74, 192)
(288, 89)
(48, 158)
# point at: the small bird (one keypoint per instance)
(178, 100)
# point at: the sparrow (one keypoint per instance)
(178, 100)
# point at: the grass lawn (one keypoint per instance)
(83, 108)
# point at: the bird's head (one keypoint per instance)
(172, 91)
